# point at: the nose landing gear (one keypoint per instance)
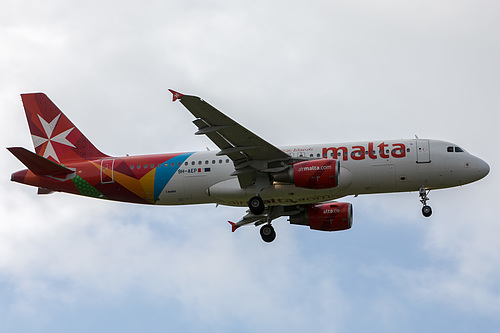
(426, 210)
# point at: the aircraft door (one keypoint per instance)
(423, 151)
(107, 167)
(195, 187)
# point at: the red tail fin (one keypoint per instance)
(54, 135)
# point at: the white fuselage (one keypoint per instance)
(366, 167)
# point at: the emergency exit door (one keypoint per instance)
(107, 167)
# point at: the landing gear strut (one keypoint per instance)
(426, 210)
(256, 205)
(267, 233)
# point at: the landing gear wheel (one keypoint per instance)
(256, 205)
(267, 233)
(427, 211)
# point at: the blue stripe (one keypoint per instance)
(164, 174)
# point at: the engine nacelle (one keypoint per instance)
(333, 216)
(314, 174)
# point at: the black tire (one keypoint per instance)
(267, 233)
(256, 205)
(427, 211)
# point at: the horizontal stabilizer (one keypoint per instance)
(37, 164)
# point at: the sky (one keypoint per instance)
(293, 73)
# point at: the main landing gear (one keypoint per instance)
(256, 205)
(267, 233)
(426, 210)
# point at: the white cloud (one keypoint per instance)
(462, 271)
(60, 251)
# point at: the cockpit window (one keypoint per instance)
(451, 149)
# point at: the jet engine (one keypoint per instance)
(333, 216)
(314, 174)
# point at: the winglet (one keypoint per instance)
(233, 226)
(176, 95)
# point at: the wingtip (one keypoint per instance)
(233, 226)
(175, 95)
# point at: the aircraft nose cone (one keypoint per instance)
(483, 168)
(479, 168)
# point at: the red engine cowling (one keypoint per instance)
(314, 174)
(334, 216)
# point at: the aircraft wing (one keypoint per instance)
(247, 219)
(269, 214)
(249, 152)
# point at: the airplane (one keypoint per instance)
(300, 182)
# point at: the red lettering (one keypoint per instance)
(399, 150)
(382, 152)
(335, 151)
(359, 153)
(371, 151)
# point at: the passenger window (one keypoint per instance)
(193, 163)
(152, 165)
(186, 163)
(145, 166)
(138, 166)
(131, 167)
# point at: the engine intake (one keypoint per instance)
(333, 216)
(314, 174)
